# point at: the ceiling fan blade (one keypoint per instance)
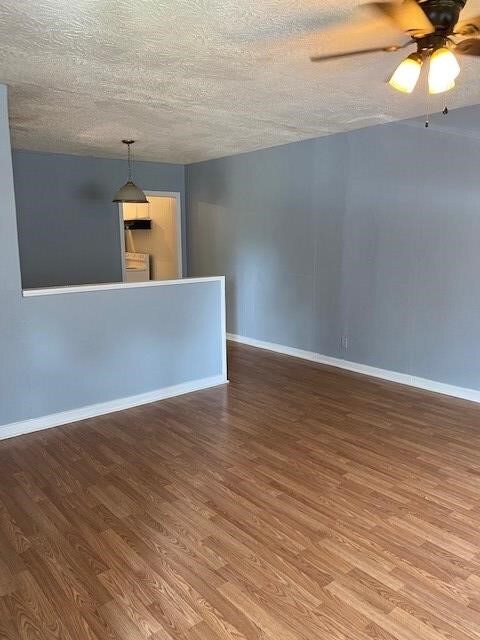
(406, 15)
(358, 52)
(468, 27)
(468, 47)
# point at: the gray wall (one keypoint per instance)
(68, 227)
(372, 234)
(67, 351)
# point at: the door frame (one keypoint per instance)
(178, 208)
(122, 241)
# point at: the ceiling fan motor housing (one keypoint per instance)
(443, 14)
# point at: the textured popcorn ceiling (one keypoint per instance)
(197, 79)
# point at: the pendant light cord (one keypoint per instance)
(129, 160)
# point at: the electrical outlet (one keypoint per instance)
(344, 343)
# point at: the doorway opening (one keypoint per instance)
(152, 238)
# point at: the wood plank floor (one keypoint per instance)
(298, 502)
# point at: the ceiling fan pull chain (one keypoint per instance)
(427, 118)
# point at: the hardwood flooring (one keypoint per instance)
(299, 502)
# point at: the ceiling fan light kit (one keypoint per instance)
(432, 26)
(443, 70)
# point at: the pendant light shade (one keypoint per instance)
(130, 193)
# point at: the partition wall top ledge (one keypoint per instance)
(30, 293)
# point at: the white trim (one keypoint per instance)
(122, 241)
(178, 205)
(82, 288)
(384, 374)
(223, 326)
(65, 417)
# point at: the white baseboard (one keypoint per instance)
(65, 417)
(384, 374)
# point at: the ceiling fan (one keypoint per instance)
(433, 26)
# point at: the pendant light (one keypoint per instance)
(130, 192)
